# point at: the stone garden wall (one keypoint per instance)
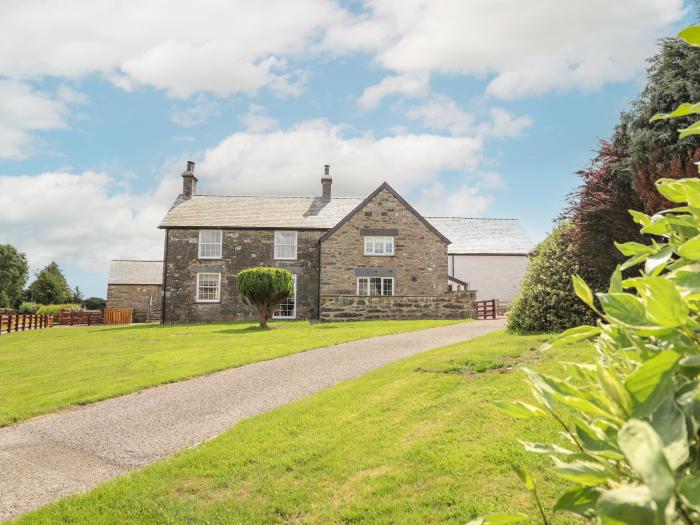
(451, 305)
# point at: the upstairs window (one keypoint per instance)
(210, 244)
(286, 245)
(208, 287)
(375, 286)
(379, 245)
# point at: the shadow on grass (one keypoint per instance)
(242, 331)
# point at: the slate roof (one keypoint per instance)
(259, 212)
(135, 272)
(483, 236)
(467, 235)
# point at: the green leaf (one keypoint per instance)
(687, 280)
(656, 262)
(689, 490)
(625, 506)
(652, 382)
(624, 307)
(690, 249)
(581, 501)
(643, 449)
(526, 478)
(681, 111)
(573, 335)
(585, 473)
(664, 304)
(633, 248)
(668, 421)
(640, 218)
(582, 290)
(616, 281)
(693, 129)
(500, 518)
(671, 189)
(519, 410)
(691, 35)
(544, 448)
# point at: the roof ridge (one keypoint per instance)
(472, 218)
(275, 196)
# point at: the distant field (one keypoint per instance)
(415, 442)
(45, 370)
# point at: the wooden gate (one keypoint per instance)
(486, 309)
(119, 315)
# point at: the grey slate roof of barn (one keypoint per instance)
(483, 236)
(259, 212)
(135, 272)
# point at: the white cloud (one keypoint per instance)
(180, 46)
(290, 161)
(257, 120)
(441, 113)
(24, 111)
(81, 220)
(197, 113)
(464, 201)
(529, 48)
(404, 85)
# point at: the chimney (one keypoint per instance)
(189, 181)
(326, 182)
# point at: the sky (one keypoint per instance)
(471, 108)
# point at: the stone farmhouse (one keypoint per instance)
(351, 258)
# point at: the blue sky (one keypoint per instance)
(479, 108)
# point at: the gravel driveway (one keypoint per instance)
(53, 456)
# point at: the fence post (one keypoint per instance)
(24, 322)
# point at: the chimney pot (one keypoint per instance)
(326, 182)
(189, 181)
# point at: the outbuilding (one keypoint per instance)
(137, 285)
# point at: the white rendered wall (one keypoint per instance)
(492, 276)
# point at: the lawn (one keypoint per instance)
(417, 441)
(45, 370)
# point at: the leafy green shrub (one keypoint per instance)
(55, 309)
(546, 300)
(50, 286)
(633, 419)
(94, 303)
(28, 307)
(264, 289)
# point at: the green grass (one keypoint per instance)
(45, 370)
(417, 441)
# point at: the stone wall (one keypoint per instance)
(143, 298)
(419, 263)
(451, 305)
(241, 249)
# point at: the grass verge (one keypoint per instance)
(418, 441)
(45, 370)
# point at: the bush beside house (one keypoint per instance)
(546, 300)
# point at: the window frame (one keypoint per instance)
(221, 245)
(294, 294)
(218, 288)
(382, 286)
(296, 245)
(374, 238)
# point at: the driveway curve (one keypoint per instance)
(53, 456)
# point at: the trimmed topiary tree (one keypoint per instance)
(546, 301)
(264, 289)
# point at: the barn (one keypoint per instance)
(137, 285)
(486, 255)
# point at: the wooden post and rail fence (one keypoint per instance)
(21, 322)
(14, 322)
